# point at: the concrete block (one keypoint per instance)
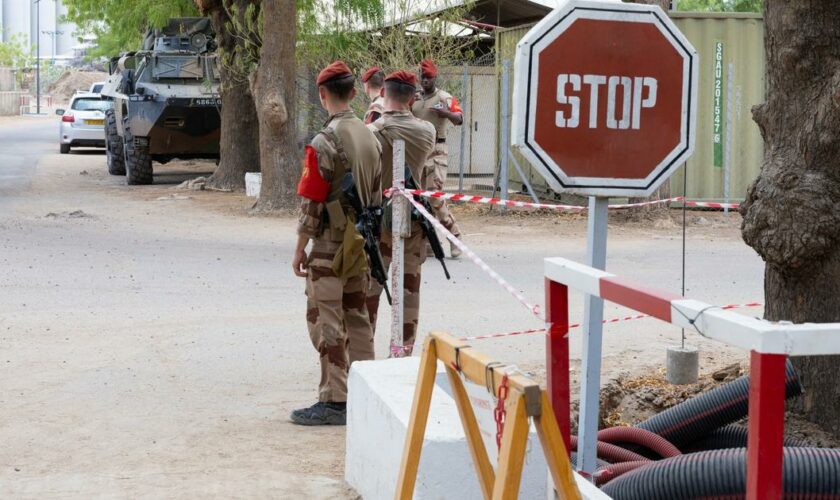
(378, 410)
(682, 365)
(253, 182)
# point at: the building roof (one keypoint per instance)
(508, 13)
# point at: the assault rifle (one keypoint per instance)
(367, 223)
(426, 224)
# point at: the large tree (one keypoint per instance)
(238, 42)
(119, 25)
(273, 85)
(790, 217)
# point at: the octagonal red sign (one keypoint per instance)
(605, 98)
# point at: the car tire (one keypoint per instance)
(138, 161)
(64, 148)
(113, 145)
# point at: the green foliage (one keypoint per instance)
(14, 53)
(720, 5)
(119, 25)
(245, 27)
(392, 34)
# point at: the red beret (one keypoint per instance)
(402, 76)
(369, 73)
(335, 70)
(428, 68)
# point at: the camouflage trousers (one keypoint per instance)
(337, 320)
(415, 255)
(436, 170)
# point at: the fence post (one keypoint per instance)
(399, 231)
(504, 141)
(465, 86)
(766, 426)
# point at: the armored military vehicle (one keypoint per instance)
(166, 100)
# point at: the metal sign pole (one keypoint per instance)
(399, 231)
(505, 131)
(593, 311)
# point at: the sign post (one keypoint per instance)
(604, 105)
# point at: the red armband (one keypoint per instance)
(312, 185)
(454, 107)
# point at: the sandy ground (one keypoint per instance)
(153, 343)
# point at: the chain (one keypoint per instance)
(499, 413)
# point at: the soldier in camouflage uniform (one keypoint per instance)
(397, 122)
(336, 269)
(441, 109)
(372, 81)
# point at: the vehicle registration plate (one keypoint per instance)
(94, 122)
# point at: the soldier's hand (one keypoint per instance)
(299, 264)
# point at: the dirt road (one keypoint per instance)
(152, 340)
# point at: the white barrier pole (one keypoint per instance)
(399, 231)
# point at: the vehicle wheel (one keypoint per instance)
(138, 161)
(64, 148)
(113, 145)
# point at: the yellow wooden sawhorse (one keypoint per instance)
(525, 399)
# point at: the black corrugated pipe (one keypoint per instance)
(693, 419)
(731, 436)
(809, 473)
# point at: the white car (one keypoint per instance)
(83, 124)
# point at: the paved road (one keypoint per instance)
(153, 341)
(22, 145)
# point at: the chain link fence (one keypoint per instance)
(473, 146)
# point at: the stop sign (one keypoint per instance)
(605, 98)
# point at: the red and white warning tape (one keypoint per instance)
(706, 204)
(562, 208)
(606, 321)
(533, 308)
(399, 349)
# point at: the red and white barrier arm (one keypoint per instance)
(715, 322)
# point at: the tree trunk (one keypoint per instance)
(789, 214)
(239, 147)
(660, 209)
(273, 85)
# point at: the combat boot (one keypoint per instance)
(454, 251)
(321, 414)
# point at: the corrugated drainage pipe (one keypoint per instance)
(610, 452)
(731, 436)
(693, 419)
(641, 437)
(809, 473)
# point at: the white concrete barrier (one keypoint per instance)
(10, 103)
(253, 182)
(378, 410)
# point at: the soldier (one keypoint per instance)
(440, 109)
(372, 81)
(336, 269)
(397, 122)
